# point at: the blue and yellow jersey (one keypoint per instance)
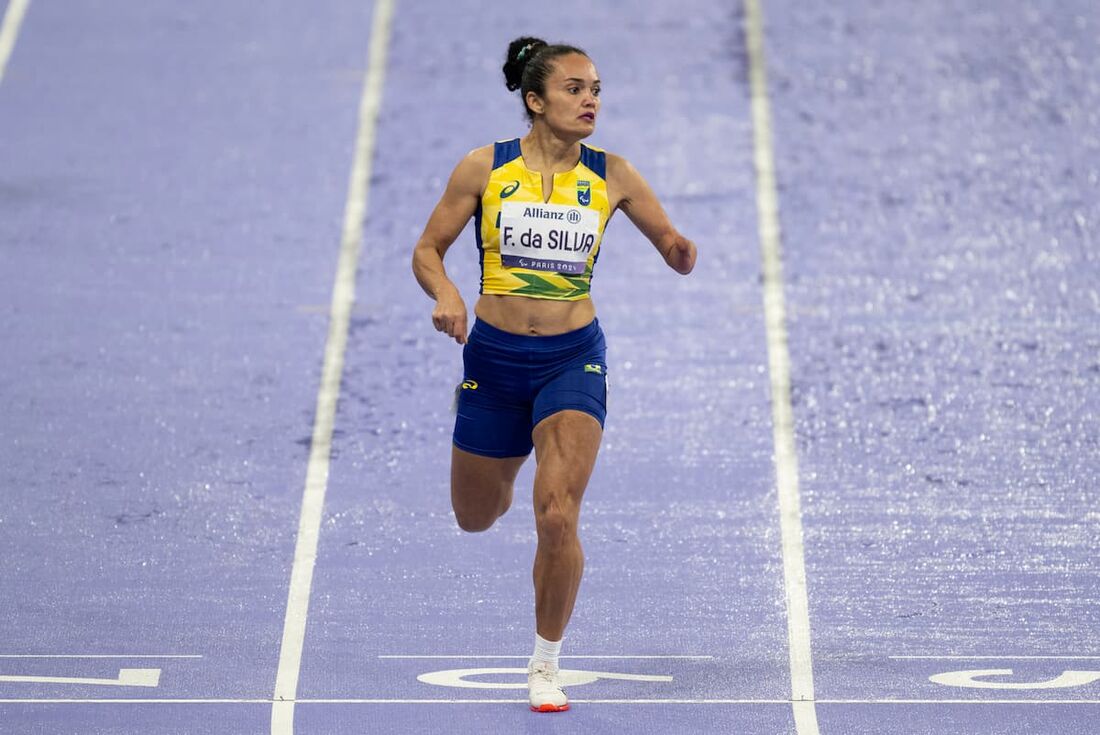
(542, 249)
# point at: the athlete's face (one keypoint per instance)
(572, 98)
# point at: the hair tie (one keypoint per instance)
(523, 51)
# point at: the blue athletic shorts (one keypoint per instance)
(514, 381)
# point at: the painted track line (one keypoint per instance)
(784, 702)
(779, 368)
(97, 655)
(995, 658)
(573, 655)
(9, 30)
(343, 296)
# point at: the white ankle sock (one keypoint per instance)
(546, 652)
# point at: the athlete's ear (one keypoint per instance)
(535, 103)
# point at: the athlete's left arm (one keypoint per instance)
(640, 204)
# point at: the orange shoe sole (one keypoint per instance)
(550, 708)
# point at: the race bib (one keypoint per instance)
(547, 237)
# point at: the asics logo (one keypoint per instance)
(509, 190)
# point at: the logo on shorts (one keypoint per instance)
(469, 385)
(584, 193)
(509, 190)
(598, 369)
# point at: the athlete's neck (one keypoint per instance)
(547, 153)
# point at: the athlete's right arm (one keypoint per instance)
(455, 208)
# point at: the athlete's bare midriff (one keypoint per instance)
(534, 317)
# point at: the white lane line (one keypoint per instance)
(786, 460)
(460, 656)
(9, 30)
(126, 678)
(996, 658)
(784, 702)
(95, 655)
(958, 701)
(343, 295)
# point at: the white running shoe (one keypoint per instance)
(543, 689)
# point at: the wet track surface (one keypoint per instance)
(172, 181)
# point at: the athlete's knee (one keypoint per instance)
(476, 517)
(475, 522)
(556, 523)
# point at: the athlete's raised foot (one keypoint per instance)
(543, 690)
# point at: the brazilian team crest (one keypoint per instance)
(584, 193)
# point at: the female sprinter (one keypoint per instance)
(535, 365)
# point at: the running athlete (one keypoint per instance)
(534, 363)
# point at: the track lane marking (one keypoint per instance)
(996, 658)
(779, 369)
(95, 655)
(125, 678)
(575, 655)
(343, 296)
(784, 702)
(9, 31)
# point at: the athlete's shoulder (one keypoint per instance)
(623, 181)
(595, 159)
(477, 162)
(480, 157)
(618, 168)
(472, 171)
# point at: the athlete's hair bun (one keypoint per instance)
(520, 51)
(530, 63)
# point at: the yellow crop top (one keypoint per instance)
(541, 249)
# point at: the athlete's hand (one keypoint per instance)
(449, 315)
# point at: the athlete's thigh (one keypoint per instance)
(481, 483)
(566, 445)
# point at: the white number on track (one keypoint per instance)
(126, 678)
(568, 677)
(971, 680)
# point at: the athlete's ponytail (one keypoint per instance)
(527, 66)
